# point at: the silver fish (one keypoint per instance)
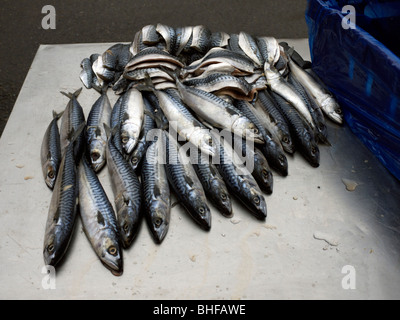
(183, 122)
(219, 39)
(148, 125)
(96, 137)
(150, 35)
(50, 151)
(168, 34)
(239, 180)
(86, 75)
(271, 149)
(249, 45)
(185, 183)
(217, 55)
(213, 184)
(217, 112)
(183, 35)
(152, 54)
(132, 114)
(280, 86)
(71, 119)
(269, 49)
(63, 206)
(156, 191)
(322, 97)
(201, 38)
(219, 81)
(127, 194)
(98, 219)
(302, 134)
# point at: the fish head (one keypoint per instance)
(277, 160)
(53, 248)
(206, 143)
(128, 224)
(222, 198)
(111, 255)
(129, 138)
(313, 155)
(265, 175)
(257, 203)
(332, 109)
(243, 127)
(199, 209)
(310, 150)
(159, 219)
(98, 155)
(287, 143)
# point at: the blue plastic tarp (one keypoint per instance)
(361, 71)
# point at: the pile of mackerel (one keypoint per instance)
(205, 116)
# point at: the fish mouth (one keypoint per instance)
(115, 267)
(336, 117)
(226, 209)
(160, 233)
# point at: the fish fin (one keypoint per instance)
(321, 138)
(75, 133)
(110, 132)
(72, 95)
(156, 191)
(146, 86)
(205, 123)
(100, 218)
(172, 73)
(57, 115)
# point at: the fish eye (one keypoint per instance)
(134, 160)
(95, 155)
(281, 158)
(113, 251)
(265, 173)
(313, 149)
(210, 141)
(125, 140)
(50, 248)
(202, 210)
(338, 110)
(51, 174)
(158, 222)
(321, 126)
(255, 130)
(256, 200)
(126, 227)
(223, 196)
(285, 139)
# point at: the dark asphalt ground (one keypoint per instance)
(117, 21)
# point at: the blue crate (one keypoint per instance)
(360, 69)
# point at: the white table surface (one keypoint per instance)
(240, 258)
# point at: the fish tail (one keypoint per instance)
(110, 132)
(57, 115)
(72, 95)
(323, 139)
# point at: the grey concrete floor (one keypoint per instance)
(117, 21)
